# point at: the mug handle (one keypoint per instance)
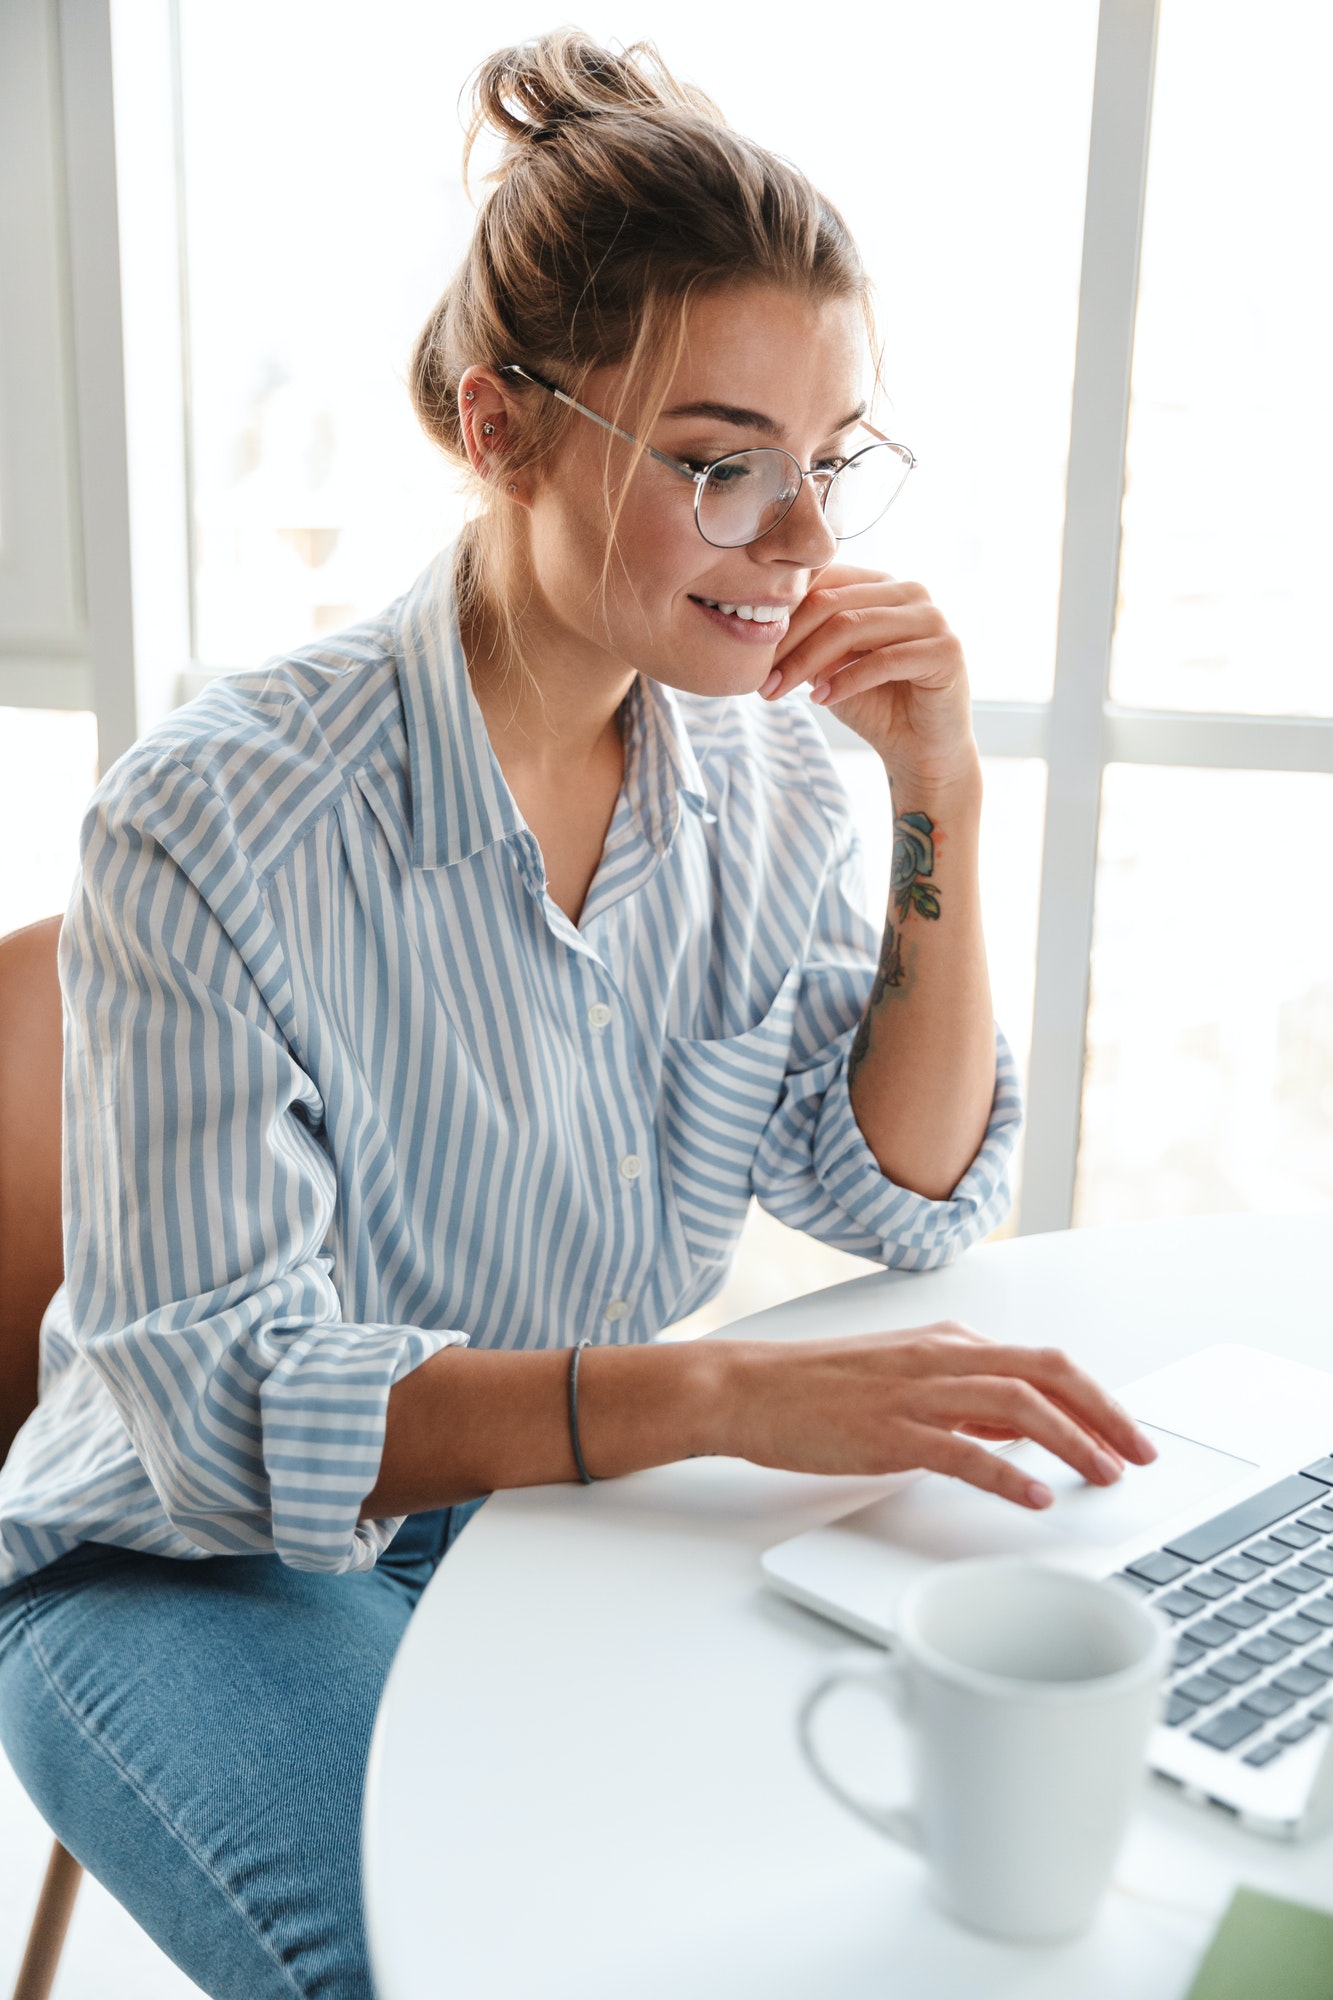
(900, 1823)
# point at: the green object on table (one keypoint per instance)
(1268, 1949)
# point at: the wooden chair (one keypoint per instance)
(31, 1268)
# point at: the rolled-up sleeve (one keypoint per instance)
(199, 1198)
(813, 1168)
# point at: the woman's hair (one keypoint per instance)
(622, 196)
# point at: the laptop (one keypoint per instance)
(1229, 1534)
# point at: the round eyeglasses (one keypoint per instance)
(743, 496)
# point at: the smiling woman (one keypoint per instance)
(437, 998)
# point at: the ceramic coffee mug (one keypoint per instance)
(1029, 1693)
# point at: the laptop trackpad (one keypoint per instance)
(944, 1518)
(1183, 1472)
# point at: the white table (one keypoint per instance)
(585, 1783)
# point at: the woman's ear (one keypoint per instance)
(486, 420)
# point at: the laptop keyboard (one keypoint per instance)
(1252, 1593)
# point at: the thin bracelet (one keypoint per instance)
(584, 1474)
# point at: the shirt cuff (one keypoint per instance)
(323, 1411)
(914, 1233)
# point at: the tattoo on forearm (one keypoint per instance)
(909, 889)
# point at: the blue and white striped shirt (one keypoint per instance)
(344, 1085)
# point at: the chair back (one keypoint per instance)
(32, 1256)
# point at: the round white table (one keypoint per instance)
(585, 1783)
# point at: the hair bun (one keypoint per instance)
(532, 91)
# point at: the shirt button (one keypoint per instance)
(617, 1309)
(631, 1166)
(598, 1014)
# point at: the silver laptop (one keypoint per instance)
(1229, 1534)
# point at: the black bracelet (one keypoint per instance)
(584, 1473)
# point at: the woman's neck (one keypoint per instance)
(557, 722)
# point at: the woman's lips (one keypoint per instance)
(751, 630)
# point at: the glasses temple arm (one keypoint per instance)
(513, 368)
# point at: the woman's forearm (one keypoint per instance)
(922, 1070)
(469, 1421)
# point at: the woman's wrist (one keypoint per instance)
(652, 1405)
(949, 797)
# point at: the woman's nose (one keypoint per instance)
(803, 535)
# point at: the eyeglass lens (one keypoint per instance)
(747, 494)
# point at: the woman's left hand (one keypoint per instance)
(893, 670)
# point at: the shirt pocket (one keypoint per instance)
(717, 1097)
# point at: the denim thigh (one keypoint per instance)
(196, 1734)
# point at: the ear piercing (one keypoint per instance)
(471, 396)
(486, 429)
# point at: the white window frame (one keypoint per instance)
(126, 281)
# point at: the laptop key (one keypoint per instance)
(1296, 1732)
(1320, 1518)
(1299, 1630)
(1270, 1554)
(1319, 1609)
(1186, 1653)
(1242, 1614)
(1159, 1567)
(1298, 1577)
(1207, 1583)
(1294, 1535)
(1202, 1689)
(1270, 1597)
(1263, 1753)
(1234, 1668)
(1260, 1511)
(1299, 1680)
(1212, 1632)
(1134, 1582)
(1268, 1701)
(1320, 1559)
(1322, 1470)
(1322, 1713)
(1321, 1661)
(1241, 1568)
(1179, 1603)
(1232, 1726)
(1265, 1649)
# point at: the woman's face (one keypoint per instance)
(789, 372)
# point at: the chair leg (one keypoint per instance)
(55, 1906)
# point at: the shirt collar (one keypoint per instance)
(461, 801)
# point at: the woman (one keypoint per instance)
(436, 998)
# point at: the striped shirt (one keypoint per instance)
(344, 1085)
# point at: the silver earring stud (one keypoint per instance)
(471, 396)
(486, 429)
(512, 487)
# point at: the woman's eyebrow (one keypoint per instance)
(749, 420)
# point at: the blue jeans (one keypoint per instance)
(196, 1734)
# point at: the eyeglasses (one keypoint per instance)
(742, 497)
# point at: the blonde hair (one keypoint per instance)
(621, 197)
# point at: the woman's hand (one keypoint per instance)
(891, 667)
(890, 1402)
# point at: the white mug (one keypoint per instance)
(1029, 1693)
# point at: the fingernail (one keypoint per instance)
(1106, 1467)
(820, 693)
(771, 682)
(1039, 1495)
(1147, 1447)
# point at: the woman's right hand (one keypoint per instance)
(890, 1402)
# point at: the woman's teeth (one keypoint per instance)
(763, 614)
